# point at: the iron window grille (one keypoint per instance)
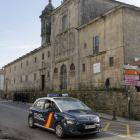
(111, 59)
(64, 21)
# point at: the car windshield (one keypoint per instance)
(67, 104)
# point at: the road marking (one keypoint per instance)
(115, 134)
(128, 131)
(13, 107)
(106, 127)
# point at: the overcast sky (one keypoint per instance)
(20, 26)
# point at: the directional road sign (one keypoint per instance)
(131, 72)
(132, 83)
(128, 67)
(131, 77)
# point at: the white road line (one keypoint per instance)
(13, 107)
(115, 134)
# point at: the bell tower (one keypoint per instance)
(46, 23)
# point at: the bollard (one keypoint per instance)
(114, 115)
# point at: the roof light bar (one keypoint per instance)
(52, 95)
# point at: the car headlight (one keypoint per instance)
(98, 119)
(68, 118)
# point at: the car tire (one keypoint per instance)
(31, 122)
(59, 130)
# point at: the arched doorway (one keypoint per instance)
(64, 77)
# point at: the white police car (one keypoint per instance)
(64, 116)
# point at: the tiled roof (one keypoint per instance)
(137, 63)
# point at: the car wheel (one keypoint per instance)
(31, 122)
(59, 130)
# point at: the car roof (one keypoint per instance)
(52, 98)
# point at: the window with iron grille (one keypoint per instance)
(10, 69)
(55, 70)
(48, 54)
(111, 59)
(48, 74)
(72, 67)
(64, 21)
(34, 76)
(26, 78)
(85, 45)
(83, 67)
(21, 80)
(43, 56)
(14, 81)
(21, 65)
(95, 45)
(27, 63)
(35, 59)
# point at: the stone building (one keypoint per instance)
(83, 42)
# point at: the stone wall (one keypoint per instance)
(100, 101)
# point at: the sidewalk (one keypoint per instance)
(104, 116)
(119, 119)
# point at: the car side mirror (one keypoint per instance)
(48, 109)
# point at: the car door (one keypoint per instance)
(38, 112)
(48, 115)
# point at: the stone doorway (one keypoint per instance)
(63, 78)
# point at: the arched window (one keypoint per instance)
(72, 67)
(55, 70)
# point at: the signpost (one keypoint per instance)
(131, 72)
(131, 76)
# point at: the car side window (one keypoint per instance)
(47, 104)
(39, 104)
(55, 107)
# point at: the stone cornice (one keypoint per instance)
(62, 60)
(108, 12)
(28, 54)
(93, 55)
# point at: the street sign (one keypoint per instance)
(131, 72)
(131, 77)
(132, 83)
(128, 67)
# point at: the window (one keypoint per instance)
(21, 65)
(111, 59)
(26, 78)
(64, 21)
(10, 69)
(15, 68)
(48, 54)
(85, 45)
(43, 56)
(27, 63)
(55, 70)
(83, 67)
(35, 59)
(14, 81)
(34, 76)
(95, 45)
(48, 74)
(72, 67)
(39, 104)
(21, 80)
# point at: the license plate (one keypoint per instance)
(89, 126)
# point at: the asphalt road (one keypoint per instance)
(14, 125)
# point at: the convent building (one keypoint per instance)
(83, 42)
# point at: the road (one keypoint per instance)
(14, 125)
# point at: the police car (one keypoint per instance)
(63, 115)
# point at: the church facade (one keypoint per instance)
(83, 42)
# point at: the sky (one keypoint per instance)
(20, 26)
